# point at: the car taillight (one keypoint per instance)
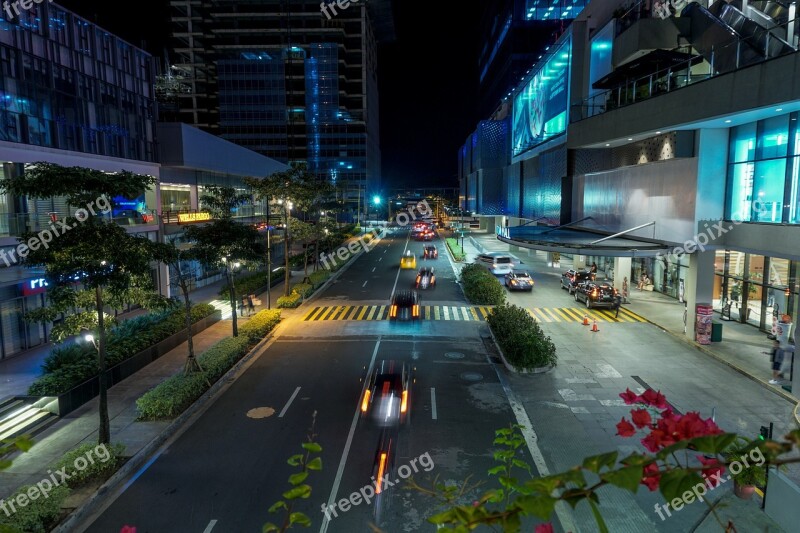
(381, 468)
(393, 311)
(417, 279)
(365, 401)
(415, 311)
(404, 402)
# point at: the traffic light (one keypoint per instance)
(764, 434)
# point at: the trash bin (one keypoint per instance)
(716, 332)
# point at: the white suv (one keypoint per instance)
(497, 263)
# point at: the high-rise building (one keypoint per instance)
(286, 79)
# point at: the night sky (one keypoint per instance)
(428, 79)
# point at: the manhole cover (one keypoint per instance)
(454, 355)
(471, 376)
(261, 412)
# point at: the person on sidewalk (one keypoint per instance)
(251, 308)
(625, 290)
(776, 356)
(617, 303)
(242, 306)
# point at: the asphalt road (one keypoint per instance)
(225, 471)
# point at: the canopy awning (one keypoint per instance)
(650, 63)
(581, 241)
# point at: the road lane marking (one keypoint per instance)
(373, 268)
(361, 314)
(380, 259)
(397, 277)
(433, 403)
(532, 440)
(340, 471)
(291, 399)
(365, 284)
(210, 526)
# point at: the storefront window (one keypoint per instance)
(794, 200)
(175, 197)
(768, 182)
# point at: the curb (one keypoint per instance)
(699, 347)
(76, 519)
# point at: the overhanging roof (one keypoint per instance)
(581, 241)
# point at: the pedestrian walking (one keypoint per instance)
(625, 290)
(776, 356)
(251, 308)
(617, 303)
(242, 306)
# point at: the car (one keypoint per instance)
(429, 251)
(405, 306)
(595, 294)
(498, 263)
(426, 235)
(387, 396)
(571, 278)
(519, 280)
(409, 260)
(425, 278)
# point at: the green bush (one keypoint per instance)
(319, 277)
(96, 467)
(250, 283)
(455, 249)
(257, 327)
(290, 302)
(481, 287)
(303, 289)
(69, 365)
(522, 340)
(173, 396)
(40, 515)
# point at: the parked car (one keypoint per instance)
(571, 278)
(430, 252)
(409, 260)
(595, 294)
(405, 306)
(497, 263)
(519, 280)
(425, 278)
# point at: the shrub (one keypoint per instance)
(481, 287)
(70, 365)
(250, 283)
(96, 469)
(319, 277)
(522, 340)
(40, 514)
(455, 249)
(171, 397)
(257, 327)
(303, 289)
(290, 302)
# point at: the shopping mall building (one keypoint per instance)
(658, 143)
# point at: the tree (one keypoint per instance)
(102, 256)
(306, 234)
(225, 241)
(296, 186)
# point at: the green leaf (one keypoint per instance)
(669, 450)
(313, 447)
(301, 491)
(675, 482)
(295, 460)
(315, 464)
(540, 506)
(280, 504)
(296, 479)
(636, 459)
(299, 519)
(601, 524)
(268, 527)
(712, 444)
(497, 470)
(596, 462)
(627, 478)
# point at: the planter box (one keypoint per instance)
(512, 368)
(88, 390)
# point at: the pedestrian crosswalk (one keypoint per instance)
(468, 313)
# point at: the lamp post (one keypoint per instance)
(230, 268)
(269, 265)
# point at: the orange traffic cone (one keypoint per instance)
(585, 320)
(594, 326)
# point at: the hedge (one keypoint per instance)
(290, 302)
(69, 365)
(173, 396)
(250, 283)
(524, 344)
(96, 468)
(455, 249)
(303, 289)
(319, 277)
(39, 515)
(481, 287)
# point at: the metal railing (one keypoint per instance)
(719, 60)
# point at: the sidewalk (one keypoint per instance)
(81, 425)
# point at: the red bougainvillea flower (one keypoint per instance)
(654, 399)
(713, 474)
(544, 528)
(127, 529)
(625, 429)
(654, 441)
(651, 477)
(629, 397)
(641, 418)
